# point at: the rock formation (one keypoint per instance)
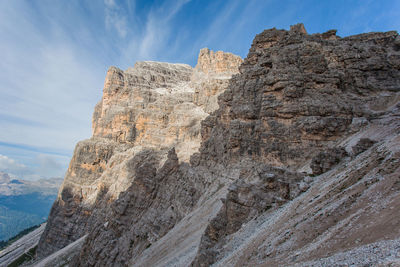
(147, 120)
(297, 161)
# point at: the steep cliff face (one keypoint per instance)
(297, 99)
(145, 112)
(299, 159)
(298, 93)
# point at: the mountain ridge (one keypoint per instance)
(302, 144)
(10, 185)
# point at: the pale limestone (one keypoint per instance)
(154, 106)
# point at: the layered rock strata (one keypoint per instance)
(146, 115)
(299, 162)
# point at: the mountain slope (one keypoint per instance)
(299, 160)
(21, 246)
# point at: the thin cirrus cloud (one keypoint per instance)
(55, 54)
(150, 32)
(48, 84)
(114, 19)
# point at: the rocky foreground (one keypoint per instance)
(289, 158)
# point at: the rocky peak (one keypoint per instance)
(160, 74)
(299, 28)
(153, 106)
(157, 104)
(217, 62)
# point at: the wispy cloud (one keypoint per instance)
(148, 43)
(217, 28)
(47, 83)
(49, 88)
(114, 18)
(43, 166)
(9, 165)
(48, 166)
(36, 149)
(9, 118)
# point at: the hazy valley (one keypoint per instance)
(24, 203)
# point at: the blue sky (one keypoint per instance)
(54, 56)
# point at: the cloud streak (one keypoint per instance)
(152, 40)
(114, 19)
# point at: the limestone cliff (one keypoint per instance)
(145, 112)
(298, 160)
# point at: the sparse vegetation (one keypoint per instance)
(24, 258)
(4, 244)
(18, 212)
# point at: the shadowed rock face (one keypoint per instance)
(299, 106)
(325, 160)
(297, 93)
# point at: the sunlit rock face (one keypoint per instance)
(154, 106)
(210, 62)
(297, 158)
(160, 105)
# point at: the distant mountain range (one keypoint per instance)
(24, 203)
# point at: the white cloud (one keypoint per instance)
(9, 165)
(44, 166)
(109, 3)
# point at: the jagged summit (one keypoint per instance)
(154, 68)
(298, 159)
(156, 104)
(217, 62)
(298, 28)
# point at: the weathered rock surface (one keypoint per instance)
(325, 160)
(343, 211)
(362, 145)
(62, 257)
(147, 193)
(145, 112)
